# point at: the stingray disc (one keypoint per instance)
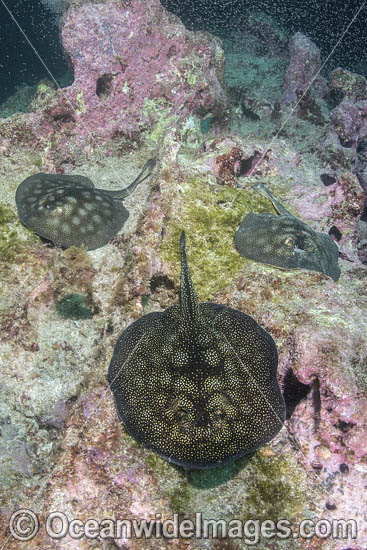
(197, 383)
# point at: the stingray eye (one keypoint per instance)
(181, 416)
(45, 202)
(289, 242)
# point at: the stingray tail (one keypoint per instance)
(144, 174)
(188, 301)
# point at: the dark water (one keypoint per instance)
(323, 21)
(18, 63)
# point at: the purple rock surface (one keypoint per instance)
(139, 73)
(303, 66)
(135, 66)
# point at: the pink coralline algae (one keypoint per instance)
(353, 86)
(330, 424)
(340, 206)
(135, 67)
(303, 67)
(344, 144)
(348, 120)
(338, 405)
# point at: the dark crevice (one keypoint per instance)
(247, 165)
(327, 179)
(160, 280)
(362, 146)
(316, 402)
(249, 113)
(363, 218)
(334, 232)
(64, 118)
(344, 426)
(293, 392)
(344, 468)
(346, 141)
(104, 85)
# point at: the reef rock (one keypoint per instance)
(353, 86)
(135, 67)
(303, 67)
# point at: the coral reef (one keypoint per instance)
(62, 447)
(353, 86)
(136, 68)
(303, 68)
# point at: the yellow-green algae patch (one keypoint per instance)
(11, 245)
(277, 490)
(258, 486)
(210, 216)
(158, 112)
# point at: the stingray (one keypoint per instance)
(197, 383)
(70, 211)
(285, 241)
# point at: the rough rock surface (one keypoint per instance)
(62, 446)
(136, 67)
(353, 86)
(304, 64)
(81, 462)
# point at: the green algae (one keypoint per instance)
(73, 306)
(156, 463)
(10, 244)
(180, 499)
(276, 489)
(157, 111)
(210, 217)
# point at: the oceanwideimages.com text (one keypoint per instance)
(25, 525)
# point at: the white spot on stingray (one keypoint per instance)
(96, 218)
(82, 212)
(75, 220)
(89, 206)
(65, 228)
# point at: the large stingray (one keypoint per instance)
(69, 210)
(285, 241)
(197, 383)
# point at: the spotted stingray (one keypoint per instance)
(285, 241)
(197, 383)
(70, 211)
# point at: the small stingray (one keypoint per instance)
(70, 211)
(197, 383)
(285, 241)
